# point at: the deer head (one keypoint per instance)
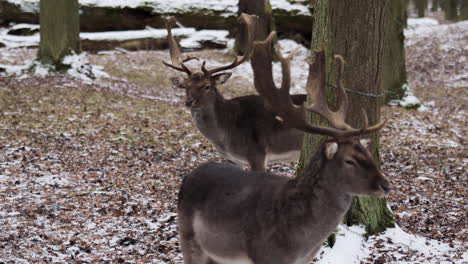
(345, 153)
(201, 87)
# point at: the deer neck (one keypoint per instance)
(208, 119)
(311, 206)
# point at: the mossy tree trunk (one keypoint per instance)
(394, 67)
(60, 27)
(354, 29)
(262, 9)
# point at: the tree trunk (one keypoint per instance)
(450, 8)
(464, 10)
(354, 29)
(262, 9)
(60, 27)
(421, 6)
(394, 67)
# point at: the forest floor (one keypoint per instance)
(89, 171)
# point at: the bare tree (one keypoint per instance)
(60, 27)
(354, 29)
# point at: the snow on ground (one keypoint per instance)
(393, 246)
(113, 201)
(441, 50)
(225, 7)
(191, 34)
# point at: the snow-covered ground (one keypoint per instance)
(393, 246)
(225, 7)
(441, 49)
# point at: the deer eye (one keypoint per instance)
(350, 162)
(207, 87)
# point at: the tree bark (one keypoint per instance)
(464, 10)
(60, 27)
(450, 8)
(262, 9)
(355, 30)
(394, 67)
(421, 6)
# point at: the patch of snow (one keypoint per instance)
(409, 100)
(225, 7)
(52, 179)
(194, 40)
(82, 69)
(136, 34)
(413, 23)
(440, 50)
(348, 248)
(351, 247)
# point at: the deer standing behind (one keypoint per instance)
(227, 215)
(242, 129)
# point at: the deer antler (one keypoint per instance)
(174, 50)
(280, 102)
(251, 21)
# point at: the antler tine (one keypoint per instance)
(251, 21)
(342, 97)
(316, 88)
(278, 100)
(285, 69)
(174, 50)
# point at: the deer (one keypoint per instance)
(228, 215)
(242, 129)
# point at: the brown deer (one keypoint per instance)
(227, 215)
(242, 129)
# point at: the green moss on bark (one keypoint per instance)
(394, 68)
(355, 30)
(59, 31)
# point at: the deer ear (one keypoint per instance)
(330, 150)
(365, 143)
(177, 82)
(222, 77)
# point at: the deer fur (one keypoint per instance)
(242, 129)
(227, 215)
(230, 216)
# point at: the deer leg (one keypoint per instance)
(191, 249)
(257, 162)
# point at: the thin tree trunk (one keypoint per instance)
(464, 10)
(421, 6)
(450, 8)
(354, 29)
(262, 9)
(394, 67)
(60, 27)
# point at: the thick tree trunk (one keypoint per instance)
(262, 9)
(354, 29)
(60, 27)
(394, 68)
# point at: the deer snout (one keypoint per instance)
(384, 186)
(189, 102)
